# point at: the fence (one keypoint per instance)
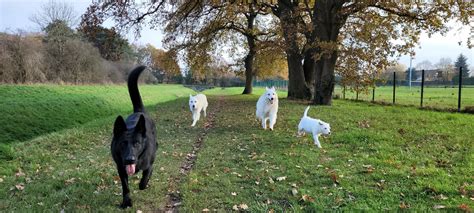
(457, 94)
(449, 95)
(278, 84)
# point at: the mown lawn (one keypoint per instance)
(378, 158)
(435, 97)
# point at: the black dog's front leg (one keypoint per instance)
(127, 202)
(145, 178)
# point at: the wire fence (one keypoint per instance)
(454, 95)
(278, 84)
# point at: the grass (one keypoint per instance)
(378, 158)
(436, 97)
(30, 111)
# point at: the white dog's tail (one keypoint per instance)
(306, 112)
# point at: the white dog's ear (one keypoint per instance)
(273, 88)
(267, 88)
(190, 96)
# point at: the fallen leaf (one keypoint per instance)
(363, 124)
(233, 193)
(281, 178)
(464, 207)
(243, 206)
(139, 211)
(271, 211)
(294, 191)
(271, 180)
(307, 198)
(439, 207)
(403, 205)
(69, 181)
(20, 186)
(19, 173)
(235, 208)
(1, 180)
(205, 210)
(334, 178)
(441, 197)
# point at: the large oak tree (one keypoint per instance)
(364, 33)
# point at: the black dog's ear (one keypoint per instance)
(119, 126)
(141, 127)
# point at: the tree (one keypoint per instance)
(197, 27)
(445, 65)
(424, 65)
(461, 61)
(110, 43)
(399, 69)
(54, 11)
(163, 63)
(332, 24)
(21, 59)
(318, 36)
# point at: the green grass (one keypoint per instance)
(437, 97)
(383, 157)
(30, 111)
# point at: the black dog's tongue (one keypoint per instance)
(130, 169)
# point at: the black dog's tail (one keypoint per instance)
(133, 89)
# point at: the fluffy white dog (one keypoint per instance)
(197, 104)
(267, 107)
(314, 126)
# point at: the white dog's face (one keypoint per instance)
(270, 94)
(192, 102)
(324, 128)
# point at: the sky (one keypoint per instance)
(15, 14)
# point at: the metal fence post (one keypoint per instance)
(460, 86)
(422, 86)
(344, 92)
(373, 94)
(394, 80)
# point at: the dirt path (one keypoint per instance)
(174, 199)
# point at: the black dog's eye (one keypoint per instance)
(273, 93)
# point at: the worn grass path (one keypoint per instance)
(378, 158)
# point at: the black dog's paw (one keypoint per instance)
(143, 185)
(126, 203)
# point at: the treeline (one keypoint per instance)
(63, 55)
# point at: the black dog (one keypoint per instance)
(134, 141)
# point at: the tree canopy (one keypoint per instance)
(355, 39)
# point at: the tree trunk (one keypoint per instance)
(328, 22)
(297, 87)
(325, 80)
(249, 68)
(249, 59)
(309, 68)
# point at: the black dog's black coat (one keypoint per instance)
(134, 141)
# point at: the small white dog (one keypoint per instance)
(314, 126)
(196, 104)
(267, 107)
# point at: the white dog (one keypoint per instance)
(267, 107)
(196, 104)
(314, 126)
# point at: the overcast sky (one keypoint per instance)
(14, 14)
